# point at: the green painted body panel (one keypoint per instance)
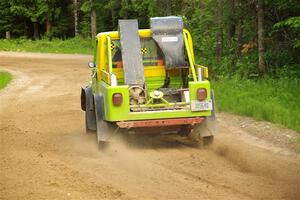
(122, 112)
(194, 85)
(114, 113)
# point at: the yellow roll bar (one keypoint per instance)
(190, 57)
(109, 54)
(105, 55)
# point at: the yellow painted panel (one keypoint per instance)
(149, 71)
(105, 77)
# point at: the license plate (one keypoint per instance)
(201, 105)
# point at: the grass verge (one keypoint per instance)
(73, 45)
(5, 78)
(272, 100)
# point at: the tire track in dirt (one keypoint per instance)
(45, 153)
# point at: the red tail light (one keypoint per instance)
(117, 99)
(201, 94)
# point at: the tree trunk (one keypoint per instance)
(168, 8)
(163, 7)
(7, 35)
(219, 46)
(232, 19)
(124, 9)
(48, 26)
(26, 32)
(260, 37)
(237, 51)
(36, 30)
(114, 13)
(235, 33)
(75, 18)
(93, 21)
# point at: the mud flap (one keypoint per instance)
(87, 105)
(209, 126)
(213, 112)
(206, 128)
(104, 129)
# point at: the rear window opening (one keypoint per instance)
(172, 82)
(151, 53)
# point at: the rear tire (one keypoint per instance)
(207, 141)
(87, 104)
(185, 130)
(201, 141)
(202, 134)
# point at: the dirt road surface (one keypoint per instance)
(45, 153)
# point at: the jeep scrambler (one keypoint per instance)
(147, 78)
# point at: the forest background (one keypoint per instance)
(252, 47)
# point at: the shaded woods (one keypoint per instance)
(249, 38)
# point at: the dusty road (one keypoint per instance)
(45, 153)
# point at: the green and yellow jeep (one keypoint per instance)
(147, 78)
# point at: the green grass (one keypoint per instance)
(5, 78)
(274, 100)
(73, 45)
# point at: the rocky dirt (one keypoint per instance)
(45, 153)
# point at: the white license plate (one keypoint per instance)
(201, 105)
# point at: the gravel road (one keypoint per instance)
(45, 153)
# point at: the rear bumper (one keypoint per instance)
(116, 113)
(160, 122)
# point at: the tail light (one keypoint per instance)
(201, 94)
(117, 99)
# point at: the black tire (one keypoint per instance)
(202, 141)
(207, 141)
(185, 130)
(202, 134)
(87, 104)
